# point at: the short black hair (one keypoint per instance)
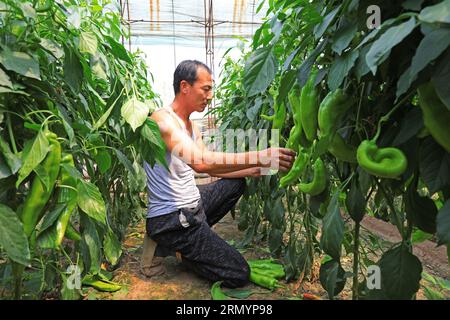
(187, 70)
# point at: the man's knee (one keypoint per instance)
(239, 278)
(238, 185)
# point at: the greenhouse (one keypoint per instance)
(225, 150)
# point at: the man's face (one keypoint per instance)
(200, 92)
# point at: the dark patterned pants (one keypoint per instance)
(188, 231)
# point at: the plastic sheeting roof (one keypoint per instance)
(169, 31)
(186, 18)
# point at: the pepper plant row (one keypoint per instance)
(367, 109)
(74, 132)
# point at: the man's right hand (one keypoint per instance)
(277, 158)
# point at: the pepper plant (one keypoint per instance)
(74, 131)
(368, 108)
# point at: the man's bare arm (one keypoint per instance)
(205, 161)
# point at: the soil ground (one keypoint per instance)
(179, 284)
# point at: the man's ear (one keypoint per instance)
(184, 86)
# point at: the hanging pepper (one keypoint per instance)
(68, 196)
(319, 182)
(279, 116)
(331, 110)
(296, 131)
(309, 101)
(436, 115)
(381, 162)
(72, 233)
(278, 119)
(38, 195)
(296, 170)
(341, 150)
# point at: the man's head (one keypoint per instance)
(193, 82)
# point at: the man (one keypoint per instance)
(180, 214)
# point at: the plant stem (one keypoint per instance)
(356, 262)
(11, 134)
(388, 115)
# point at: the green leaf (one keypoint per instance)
(88, 43)
(421, 210)
(42, 174)
(414, 5)
(400, 273)
(340, 69)
(443, 224)
(437, 13)
(21, 63)
(4, 169)
(7, 90)
(135, 112)
(431, 47)
(150, 132)
(103, 160)
(11, 159)
(217, 293)
(66, 293)
(4, 80)
(320, 29)
(65, 120)
(434, 165)
(98, 68)
(361, 67)
(118, 49)
(33, 154)
(73, 70)
(239, 293)
(90, 201)
(51, 217)
(125, 161)
(53, 47)
(254, 110)
(12, 237)
(28, 10)
(332, 229)
(418, 236)
(387, 41)
(47, 238)
(441, 79)
(91, 242)
(356, 202)
(275, 240)
(112, 247)
(260, 70)
(410, 125)
(332, 277)
(288, 61)
(343, 37)
(286, 83)
(305, 68)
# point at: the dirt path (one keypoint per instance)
(434, 259)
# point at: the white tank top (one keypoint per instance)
(171, 191)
